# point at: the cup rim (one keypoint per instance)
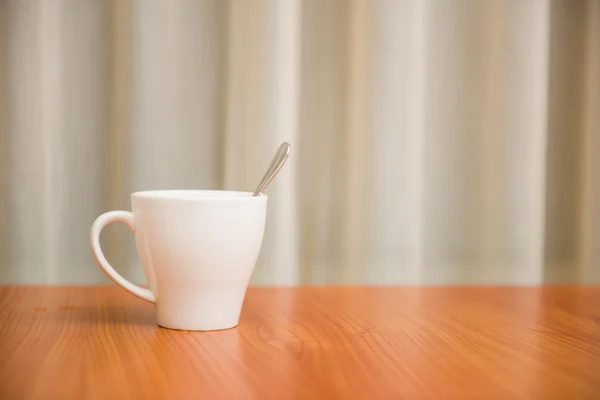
(197, 195)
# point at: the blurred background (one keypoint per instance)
(433, 142)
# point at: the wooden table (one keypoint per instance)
(307, 343)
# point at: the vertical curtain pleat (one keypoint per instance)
(395, 118)
(119, 245)
(589, 209)
(318, 153)
(4, 210)
(432, 142)
(564, 138)
(24, 163)
(177, 63)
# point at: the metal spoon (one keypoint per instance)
(278, 160)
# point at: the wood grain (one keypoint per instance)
(307, 343)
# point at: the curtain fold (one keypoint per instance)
(432, 142)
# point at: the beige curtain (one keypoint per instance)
(433, 141)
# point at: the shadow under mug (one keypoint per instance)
(198, 250)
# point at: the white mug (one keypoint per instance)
(198, 250)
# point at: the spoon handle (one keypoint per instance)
(278, 160)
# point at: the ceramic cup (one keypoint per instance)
(198, 250)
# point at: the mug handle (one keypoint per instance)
(124, 217)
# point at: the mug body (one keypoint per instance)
(198, 250)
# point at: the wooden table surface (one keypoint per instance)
(307, 343)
